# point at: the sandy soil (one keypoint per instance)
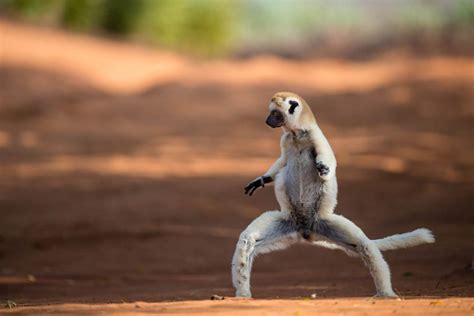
(451, 306)
(122, 174)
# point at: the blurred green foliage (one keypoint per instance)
(81, 15)
(465, 12)
(200, 27)
(216, 27)
(267, 21)
(34, 10)
(120, 17)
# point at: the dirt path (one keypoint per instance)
(121, 180)
(452, 306)
(123, 68)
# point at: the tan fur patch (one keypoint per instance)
(307, 115)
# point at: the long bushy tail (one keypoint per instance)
(417, 237)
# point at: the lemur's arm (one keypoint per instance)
(325, 160)
(269, 176)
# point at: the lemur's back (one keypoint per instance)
(302, 182)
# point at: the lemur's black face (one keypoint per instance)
(275, 119)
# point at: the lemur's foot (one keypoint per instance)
(241, 298)
(322, 169)
(386, 295)
(243, 294)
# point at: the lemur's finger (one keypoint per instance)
(249, 186)
(322, 168)
(247, 190)
(253, 190)
(253, 185)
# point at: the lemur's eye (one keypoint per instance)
(293, 105)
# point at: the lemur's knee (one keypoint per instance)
(366, 250)
(363, 248)
(246, 242)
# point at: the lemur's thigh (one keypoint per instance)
(345, 233)
(340, 230)
(270, 231)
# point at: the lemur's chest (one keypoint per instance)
(302, 182)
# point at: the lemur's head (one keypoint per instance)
(291, 111)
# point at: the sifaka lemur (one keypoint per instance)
(306, 190)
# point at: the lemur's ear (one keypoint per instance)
(293, 105)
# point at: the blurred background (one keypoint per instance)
(128, 129)
(307, 28)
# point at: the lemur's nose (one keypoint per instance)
(275, 119)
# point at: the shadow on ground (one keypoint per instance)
(108, 198)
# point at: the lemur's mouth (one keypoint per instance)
(275, 119)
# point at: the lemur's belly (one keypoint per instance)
(303, 185)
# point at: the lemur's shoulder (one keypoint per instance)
(285, 139)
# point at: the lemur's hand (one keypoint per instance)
(322, 169)
(254, 185)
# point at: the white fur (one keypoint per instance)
(250, 245)
(369, 253)
(267, 232)
(324, 150)
(417, 237)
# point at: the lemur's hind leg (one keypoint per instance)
(345, 233)
(270, 231)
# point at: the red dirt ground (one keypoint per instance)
(122, 174)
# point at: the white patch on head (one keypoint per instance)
(292, 118)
